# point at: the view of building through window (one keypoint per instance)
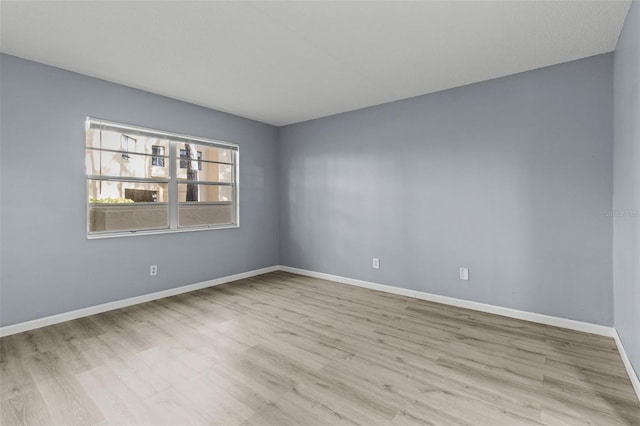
(140, 180)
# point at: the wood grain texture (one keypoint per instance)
(282, 349)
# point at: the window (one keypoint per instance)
(158, 155)
(147, 181)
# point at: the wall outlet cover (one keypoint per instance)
(464, 274)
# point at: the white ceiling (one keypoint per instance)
(285, 62)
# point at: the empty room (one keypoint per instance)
(320, 212)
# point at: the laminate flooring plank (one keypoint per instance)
(25, 406)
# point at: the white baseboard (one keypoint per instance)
(79, 313)
(635, 381)
(498, 310)
(476, 306)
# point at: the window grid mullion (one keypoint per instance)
(173, 185)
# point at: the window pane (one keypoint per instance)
(204, 193)
(116, 164)
(206, 152)
(126, 206)
(213, 207)
(128, 142)
(106, 192)
(128, 217)
(205, 214)
(212, 172)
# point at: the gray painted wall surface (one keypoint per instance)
(626, 190)
(47, 265)
(510, 177)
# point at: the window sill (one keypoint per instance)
(158, 231)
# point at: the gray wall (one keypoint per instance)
(510, 177)
(626, 190)
(48, 266)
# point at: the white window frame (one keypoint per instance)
(173, 139)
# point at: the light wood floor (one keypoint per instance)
(281, 349)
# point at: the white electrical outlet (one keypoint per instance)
(153, 270)
(464, 274)
(376, 263)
